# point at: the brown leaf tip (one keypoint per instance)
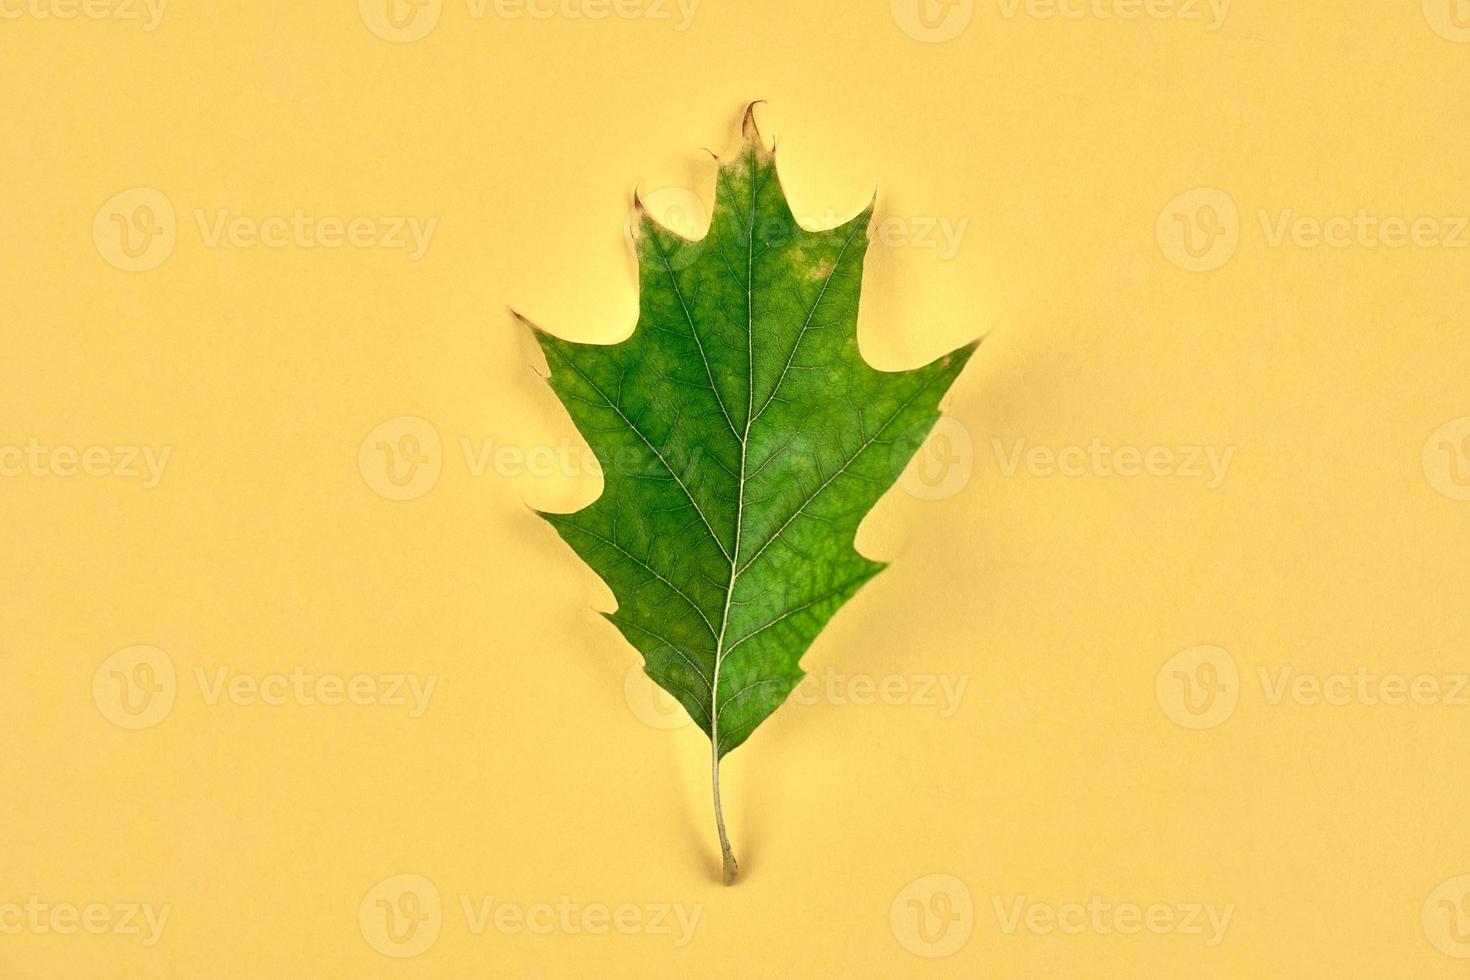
(748, 127)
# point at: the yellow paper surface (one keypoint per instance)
(1167, 677)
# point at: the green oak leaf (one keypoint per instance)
(742, 439)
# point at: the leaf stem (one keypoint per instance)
(732, 868)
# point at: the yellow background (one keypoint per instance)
(1063, 774)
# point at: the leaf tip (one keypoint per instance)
(749, 129)
(638, 228)
(747, 124)
(525, 321)
(539, 365)
(960, 356)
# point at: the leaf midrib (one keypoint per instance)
(714, 692)
(751, 416)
